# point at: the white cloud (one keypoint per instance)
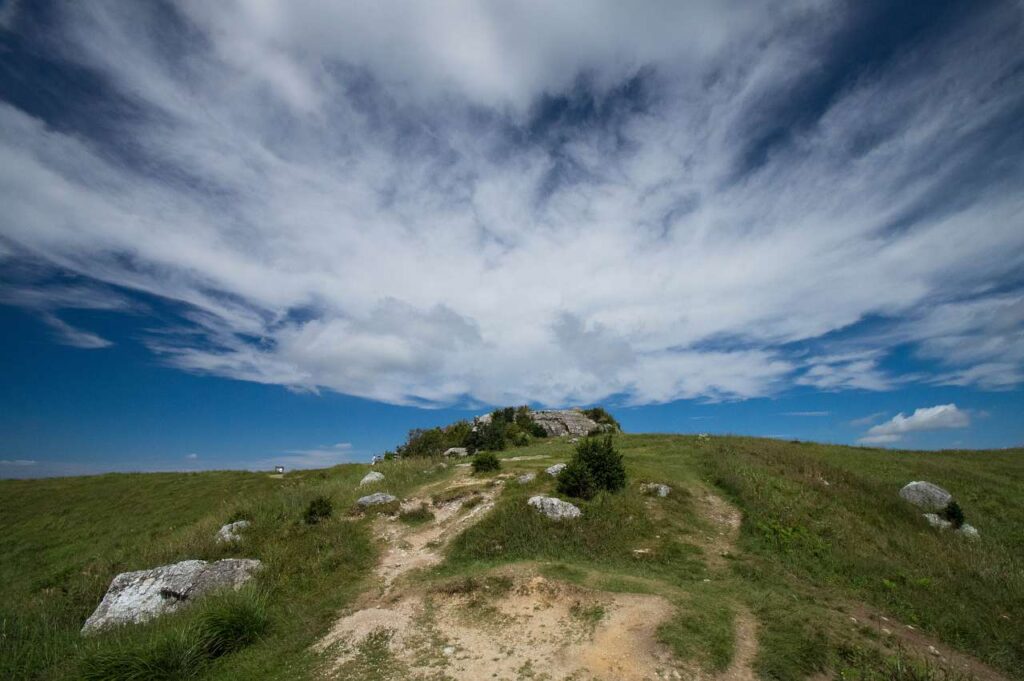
(17, 462)
(806, 413)
(939, 417)
(321, 456)
(348, 197)
(192, 457)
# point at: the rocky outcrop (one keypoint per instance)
(231, 532)
(553, 471)
(135, 597)
(556, 509)
(375, 499)
(926, 495)
(656, 489)
(560, 422)
(371, 477)
(456, 451)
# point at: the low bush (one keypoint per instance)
(595, 466)
(954, 514)
(485, 462)
(601, 416)
(319, 509)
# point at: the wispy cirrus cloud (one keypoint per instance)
(654, 202)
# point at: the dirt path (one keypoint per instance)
(508, 626)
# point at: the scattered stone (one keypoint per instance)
(937, 521)
(969, 531)
(641, 552)
(449, 650)
(375, 499)
(553, 471)
(926, 495)
(230, 532)
(886, 632)
(933, 651)
(135, 597)
(371, 477)
(526, 478)
(657, 489)
(456, 451)
(553, 508)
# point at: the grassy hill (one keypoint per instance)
(824, 540)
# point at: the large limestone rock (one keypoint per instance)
(139, 596)
(375, 499)
(232, 531)
(456, 451)
(371, 477)
(553, 471)
(926, 495)
(560, 422)
(556, 509)
(526, 478)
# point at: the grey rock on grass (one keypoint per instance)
(926, 495)
(965, 530)
(556, 509)
(456, 451)
(560, 422)
(371, 477)
(232, 531)
(657, 489)
(135, 597)
(375, 499)
(553, 471)
(526, 478)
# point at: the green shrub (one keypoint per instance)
(484, 462)
(319, 509)
(575, 480)
(602, 417)
(603, 464)
(954, 514)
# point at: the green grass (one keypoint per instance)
(66, 538)
(822, 529)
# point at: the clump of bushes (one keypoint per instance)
(601, 416)
(319, 509)
(596, 465)
(485, 462)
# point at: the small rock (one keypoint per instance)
(886, 632)
(936, 521)
(926, 495)
(375, 499)
(657, 489)
(371, 477)
(135, 597)
(526, 478)
(933, 651)
(641, 552)
(969, 531)
(230, 532)
(449, 650)
(456, 451)
(553, 508)
(553, 471)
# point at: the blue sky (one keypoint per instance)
(250, 232)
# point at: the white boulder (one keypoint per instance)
(135, 597)
(556, 509)
(926, 495)
(371, 477)
(553, 471)
(526, 478)
(230, 532)
(456, 451)
(375, 499)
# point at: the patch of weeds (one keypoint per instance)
(474, 500)
(319, 509)
(373, 660)
(565, 573)
(587, 614)
(455, 493)
(858, 663)
(702, 630)
(417, 516)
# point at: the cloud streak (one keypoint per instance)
(939, 417)
(416, 207)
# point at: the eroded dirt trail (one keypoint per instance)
(509, 626)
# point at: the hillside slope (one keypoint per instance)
(763, 555)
